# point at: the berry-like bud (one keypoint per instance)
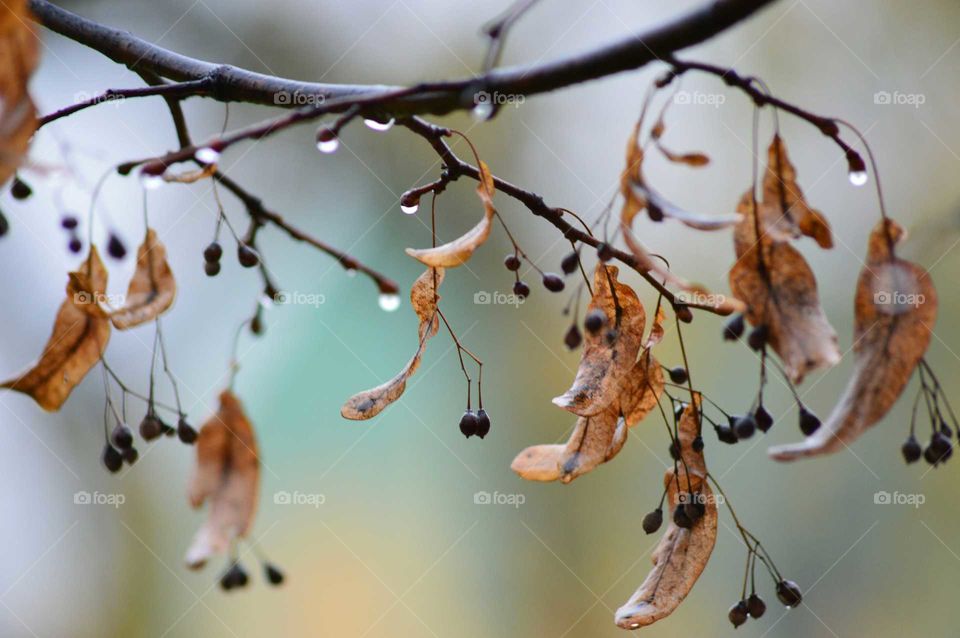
(678, 374)
(521, 289)
(652, 521)
(734, 328)
(755, 606)
(684, 313)
(512, 262)
(112, 459)
(20, 189)
(738, 614)
(726, 434)
(213, 252)
(744, 427)
(680, 518)
(594, 321)
(573, 338)
(809, 423)
(552, 282)
(468, 424)
(763, 418)
(757, 338)
(604, 252)
(151, 427)
(483, 423)
(789, 593)
(115, 247)
(122, 437)
(247, 256)
(186, 432)
(273, 573)
(212, 268)
(911, 450)
(570, 263)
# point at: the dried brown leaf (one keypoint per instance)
(227, 476)
(785, 213)
(681, 554)
(18, 59)
(780, 290)
(460, 250)
(423, 298)
(895, 309)
(78, 340)
(152, 287)
(609, 354)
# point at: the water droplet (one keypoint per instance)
(379, 126)
(482, 111)
(351, 272)
(328, 146)
(389, 302)
(207, 155)
(858, 178)
(151, 182)
(410, 210)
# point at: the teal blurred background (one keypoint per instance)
(399, 547)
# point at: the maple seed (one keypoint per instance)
(512, 262)
(274, 575)
(247, 256)
(594, 321)
(738, 614)
(521, 289)
(115, 247)
(20, 189)
(212, 268)
(483, 423)
(680, 518)
(678, 374)
(757, 338)
(186, 432)
(213, 252)
(573, 338)
(788, 593)
(911, 450)
(745, 426)
(151, 427)
(755, 606)
(122, 437)
(552, 282)
(809, 423)
(763, 418)
(112, 459)
(570, 263)
(604, 252)
(734, 328)
(652, 521)
(469, 424)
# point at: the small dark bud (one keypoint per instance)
(274, 575)
(745, 427)
(130, 455)
(678, 374)
(468, 424)
(151, 427)
(573, 338)
(521, 289)
(68, 222)
(788, 593)
(122, 437)
(552, 282)
(570, 263)
(115, 247)
(733, 329)
(911, 450)
(20, 189)
(684, 313)
(213, 252)
(112, 459)
(763, 418)
(212, 268)
(697, 444)
(738, 614)
(594, 321)
(185, 432)
(652, 521)
(654, 212)
(809, 423)
(247, 256)
(604, 252)
(512, 262)
(726, 434)
(4, 224)
(483, 423)
(757, 338)
(680, 518)
(75, 245)
(755, 606)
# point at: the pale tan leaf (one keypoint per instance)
(609, 354)
(79, 338)
(681, 554)
(895, 310)
(423, 298)
(152, 287)
(18, 59)
(780, 291)
(785, 212)
(460, 250)
(227, 477)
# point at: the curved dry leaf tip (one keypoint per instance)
(785, 210)
(894, 314)
(152, 288)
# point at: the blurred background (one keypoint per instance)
(383, 536)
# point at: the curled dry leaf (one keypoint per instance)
(227, 475)
(460, 250)
(79, 338)
(784, 212)
(423, 298)
(609, 354)
(780, 291)
(152, 287)
(681, 554)
(894, 313)
(18, 59)
(597, 439)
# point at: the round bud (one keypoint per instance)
(552, 282)
(744, 427)
(122, 437)
(112, 459)
(726, 434)
(652, 521)
(68, 222)
(115, 247)
(809, 423)
(521, 289)
(755, 606)
(734, 328)
(213, 252)
(247, 256)
(483, 423)
(150, 427)
(680, 518)
(678, 374)
(757, 338)
(789, 593)
(130, 455)
(570, 263)
(911, 450)
(75, 245)
(674, 450)
(594, 321)
(684, 313)
(512, 262)
(694, 509)
(274, 575)
(185, 432)
(212, 268)
(654, 212)
(738, 613)
(20, 189)
(763, 418)
(604, 252)
(468, 424)
(697, 444)
(573, 338)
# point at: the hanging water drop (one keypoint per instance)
(483, 111)
(858, 178)
(207, 155)
(327, 141)
(389, 302)
(351, 272)
(151, 182)
(379, 126)
(410, 210)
